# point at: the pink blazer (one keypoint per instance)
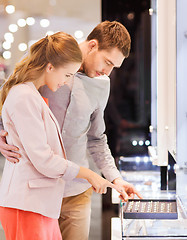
(36, 183)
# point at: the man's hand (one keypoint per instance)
(127, 189)
(8, 151)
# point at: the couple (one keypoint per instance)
(52, 171)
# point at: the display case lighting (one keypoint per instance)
(147, 142)
(145, 159)
(141, 143)
(134, 143)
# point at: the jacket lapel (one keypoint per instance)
(51, 115)
(58, 129)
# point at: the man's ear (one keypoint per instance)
(93, 44)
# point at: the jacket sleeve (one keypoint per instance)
(27, 119)
(97, 140)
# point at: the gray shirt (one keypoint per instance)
(83, 126)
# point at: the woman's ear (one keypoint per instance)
(49, 67)
(93, 44)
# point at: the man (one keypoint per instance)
(78, 107)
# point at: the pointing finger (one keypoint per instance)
(138, 194)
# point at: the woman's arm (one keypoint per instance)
(98, 183)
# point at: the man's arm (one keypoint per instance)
(100, 152)
(8, 151)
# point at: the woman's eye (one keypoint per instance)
(67, 75)
(108, 63)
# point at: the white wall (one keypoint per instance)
(164, 79)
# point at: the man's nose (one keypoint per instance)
(108, 70)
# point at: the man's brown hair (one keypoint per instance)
(110, 35)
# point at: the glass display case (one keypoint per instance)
(146, 179)
(157, 228)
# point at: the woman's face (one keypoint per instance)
(57, 77)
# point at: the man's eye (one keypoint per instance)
(108, 63)
(67, 75)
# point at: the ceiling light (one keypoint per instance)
(44, 23)
(49, 33)
(30, 21)
(9, 37)
(21, 22)
(130, 16)
(6, 45)
(22, 47)
(79, 34)
(7, 55)
(10, 9)
(13, 28)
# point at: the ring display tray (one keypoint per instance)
(150, 209)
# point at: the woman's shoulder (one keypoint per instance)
(21, 90)
(22, 94)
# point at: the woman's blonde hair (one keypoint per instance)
(58, 49)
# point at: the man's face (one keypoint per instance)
(100, 62)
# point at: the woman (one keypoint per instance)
(31, 191)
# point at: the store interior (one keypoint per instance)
(147, 96)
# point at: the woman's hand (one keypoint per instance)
(98, 183)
